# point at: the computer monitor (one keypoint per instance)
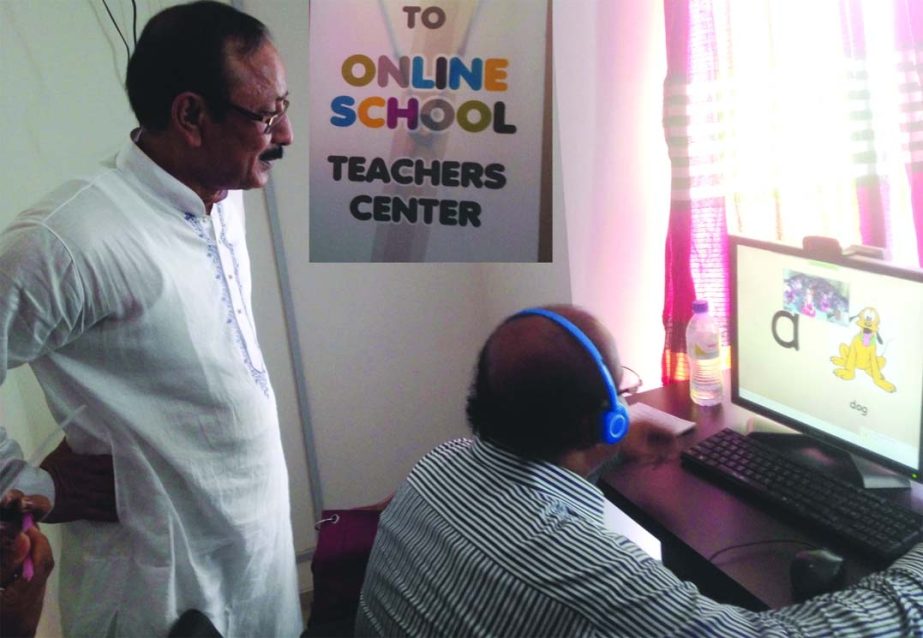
(830, 346)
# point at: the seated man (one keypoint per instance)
(504, 535)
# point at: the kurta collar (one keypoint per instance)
(131, 159)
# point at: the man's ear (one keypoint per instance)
(187, 115)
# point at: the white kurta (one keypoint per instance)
(124, 296)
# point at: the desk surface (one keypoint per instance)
(693, 518)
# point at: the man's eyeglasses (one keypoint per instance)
(631, 382)
(269, 119)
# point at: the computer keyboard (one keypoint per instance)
(865, 520)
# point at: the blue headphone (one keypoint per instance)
(614, 421)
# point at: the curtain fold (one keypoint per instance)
(908, 25)
(784, 120)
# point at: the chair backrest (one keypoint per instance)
(344, 544)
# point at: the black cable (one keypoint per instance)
(134, 23)
(766, 542)
(111, 17)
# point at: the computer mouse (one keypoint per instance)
(816, 571)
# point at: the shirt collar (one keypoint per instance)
(558, 482)
(132, 160)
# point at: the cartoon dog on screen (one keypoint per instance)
(862, 352)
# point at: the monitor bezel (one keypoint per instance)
(859, 263)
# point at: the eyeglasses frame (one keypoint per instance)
(269, 119)
(633, 388)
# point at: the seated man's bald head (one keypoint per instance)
(537, 391)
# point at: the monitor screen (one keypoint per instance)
(830, 346)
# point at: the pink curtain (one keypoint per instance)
(696, 253)
(909, 37)
(703, 198)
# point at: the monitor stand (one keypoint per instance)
(826, 458)
(875, 477)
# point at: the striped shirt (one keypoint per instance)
(480, 542)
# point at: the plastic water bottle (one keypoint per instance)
(703, 347)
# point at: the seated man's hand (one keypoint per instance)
(650, 443)
(22, 597)
(84, 486)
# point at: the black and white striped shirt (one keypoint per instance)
(480, 542)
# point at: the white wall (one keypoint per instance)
(387, 348)
(615, 167)
(611, 178)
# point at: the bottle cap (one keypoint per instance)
(700, 305)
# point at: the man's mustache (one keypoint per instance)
(272, 154)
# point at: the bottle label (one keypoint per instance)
(705, 350)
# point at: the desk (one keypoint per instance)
(693, 518)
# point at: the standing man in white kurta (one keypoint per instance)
(129, 293)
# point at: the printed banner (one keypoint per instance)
(426, 130)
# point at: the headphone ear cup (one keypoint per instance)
(615, 423)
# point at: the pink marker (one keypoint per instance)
(28, 569)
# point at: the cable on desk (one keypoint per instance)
(764, 542)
